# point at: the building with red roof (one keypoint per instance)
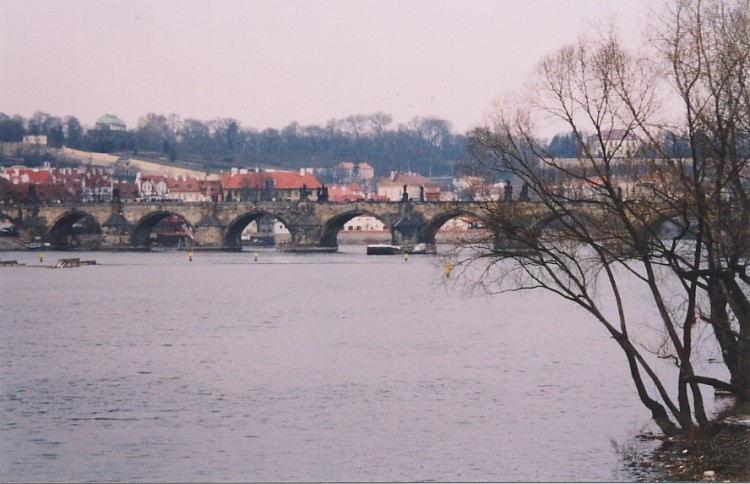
(211, 190)
(184, 188)
(152, 187)
(345, 193)
(244, 185)
(34, 176)
(34, 193)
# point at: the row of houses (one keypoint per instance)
(97, 184)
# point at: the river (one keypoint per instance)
(326, 367)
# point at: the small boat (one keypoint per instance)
(383, 249)
(37, 244)
(423, 248)
(9, 230)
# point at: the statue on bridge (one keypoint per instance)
(303, 192)
(524, 195)
(508, 195)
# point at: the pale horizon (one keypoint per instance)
(270, 63)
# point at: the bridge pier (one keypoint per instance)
(406, 230)
(209, 233)
(117, 232)
(32, 224)
(307, 236)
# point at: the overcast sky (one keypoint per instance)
(268, 63)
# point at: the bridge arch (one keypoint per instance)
(577, 216)
(75, 230)
(334, 225)
(671, 224)
(556, 221)
(143, 228)
(232, 234)
(428, 233)
(605, 229)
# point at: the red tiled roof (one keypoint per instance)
(128, 190)
(345, 193)
(36, 177)
(282, 180)
(179, 185)
(289, 180)
(242, 180)
(153, 179)
(44, 192)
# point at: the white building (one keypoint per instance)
(152, 187)
(35, 139)
(364, 222)
(618, 143)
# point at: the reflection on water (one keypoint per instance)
(330, 367)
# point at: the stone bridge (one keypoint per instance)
(313, 226)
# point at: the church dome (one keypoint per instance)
(111, 122)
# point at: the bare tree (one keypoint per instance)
(433, 132)
(600, 217)
(379, 123)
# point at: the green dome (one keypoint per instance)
(110, 120)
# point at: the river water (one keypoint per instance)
(327, 367)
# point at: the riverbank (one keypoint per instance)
(723, 456)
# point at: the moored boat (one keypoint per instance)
(383, 249)
(8, 230)
(422, 248)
